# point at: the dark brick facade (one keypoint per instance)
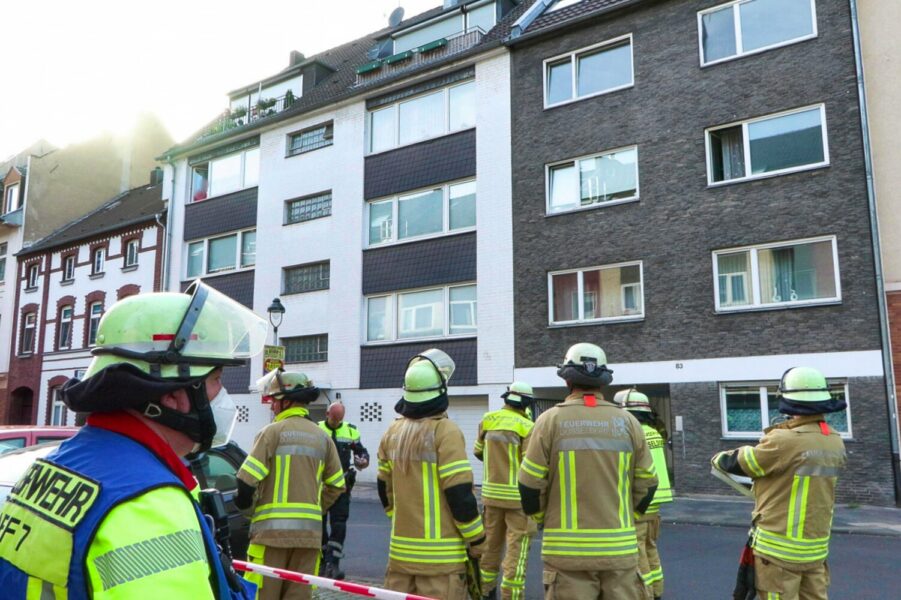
(679, 220)
(384, 366)
(430, 262)
(434, 161)
(219, 215)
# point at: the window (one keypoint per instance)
(3, 262)
(776, 275)
(98, 261)
(427, 212)
(426, 116)
(608, 293)
(64, 334)
(226, 174)
(437, 312)
(32, 281)
(306, 348)
(611, 177)
(12, 197)
(306, 278)
(95, 312)
(599, 69)
(481, 16)
(224, 253)
(57, 407)
(131, 253)
(751, 26)
(772, 145)
(749, 408)
(313, 138)
(69, 268)
(28, 327)
(309, 208)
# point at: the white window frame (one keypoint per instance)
(62, 319)
(764, 408)
(209, 182)
(206, 253)
(319, 337)
(395, 108)
(132, 250)
(580, 295)
(736, 21)
(29, 322)
(91, 319)
(574, 57)
(548, 168)
(755, 294)
(56, 403)
(3, 250)
(33, 275)
(746, 147)
(11, 197)
(393, 316)
(98, 260)
(68, 267)
(445, 214)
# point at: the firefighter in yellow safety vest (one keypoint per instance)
(647, 526)
(290, 477)
(503, 436)
(586, 472)
(795, 468)
(425, 486)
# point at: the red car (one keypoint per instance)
(13, 437)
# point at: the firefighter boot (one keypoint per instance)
(492, 595)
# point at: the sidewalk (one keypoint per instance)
(733, 511)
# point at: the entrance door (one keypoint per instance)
(467, 412)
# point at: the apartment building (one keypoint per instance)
(368, 187)
(45, 188)
(691, 194)
(68, 280)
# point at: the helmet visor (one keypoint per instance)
(224, 328)
(443, 362)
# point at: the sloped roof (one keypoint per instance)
(341, 84)
(128, 208)
(551, 20)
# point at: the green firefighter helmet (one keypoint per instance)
(519, 394)
(804, 384)
(427, 376)
(177, 336)
(279, 384)
(585, 365)
(633, 400)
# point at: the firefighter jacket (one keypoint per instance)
(108, 515)
(795, 468)
(586, 471)
(433, 511)
(295, 467)
(503, 435)
(347, 440)
(664, 493)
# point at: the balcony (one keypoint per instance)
(409, 60)
(234, 119)
(13, 218)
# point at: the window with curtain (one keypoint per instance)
(749, 408)
(597, 294)
(593, 180)
(219, 254)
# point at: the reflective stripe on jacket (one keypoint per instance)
(664, 491)
(795, 468)
(296, 469)
(425, 537)
(503, 436)
(347, 441)
(592, 467)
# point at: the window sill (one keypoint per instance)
(129, 268)
(589, 96)
(25, 354)
(737, 180)
(28, 290)
(630, 319)
(421, 238)
(783, 306)
(302, 152)
(302, 292)
(726, 59)
(67, 282)
(97, 275)
(593, 207)
(222, 195)
(190, 278)
(305, 220)
(436, 338)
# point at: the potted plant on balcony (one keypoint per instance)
(237, 114)
(289, 98)
(264, 106)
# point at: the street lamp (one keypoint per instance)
(276, 312)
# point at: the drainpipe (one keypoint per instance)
(167, 229)
(877, 257)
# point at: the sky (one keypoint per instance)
(74, 69)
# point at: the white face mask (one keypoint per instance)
(225, 414)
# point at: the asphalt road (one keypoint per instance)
(699, 561)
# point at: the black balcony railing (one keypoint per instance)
(235, 118)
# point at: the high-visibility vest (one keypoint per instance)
(499, 446)
(664, 491)
(65, 503)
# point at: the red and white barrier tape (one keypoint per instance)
(323, 582)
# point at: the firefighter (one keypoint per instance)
(425, 486)
(795, 468)
(290, 477)
(503, 435)
(586, 472)
(347, 440)
(112, 513)
(647, 526)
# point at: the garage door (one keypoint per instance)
(467, 412)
